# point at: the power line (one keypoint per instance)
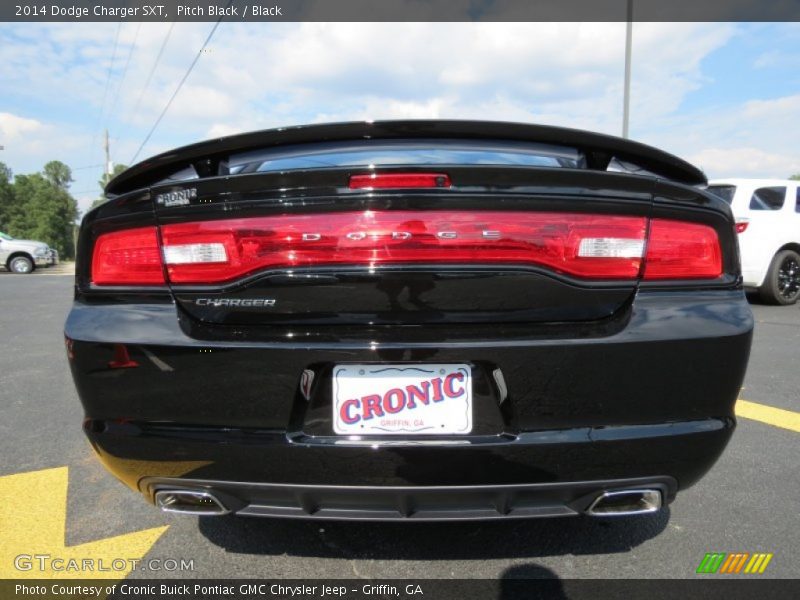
(152, 71)
(108, 79)
(180, 85)
(113, 104)
(86, 167)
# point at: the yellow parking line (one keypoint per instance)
(778, 417)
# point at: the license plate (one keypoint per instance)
(402, 399)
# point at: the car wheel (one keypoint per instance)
(21, 265)
(782, 285)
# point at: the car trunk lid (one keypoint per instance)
(497, 244)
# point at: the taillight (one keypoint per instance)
(681, 250)
(741, 226)
(128, 257)
(587, 246)
(583, 246)
(399, 180)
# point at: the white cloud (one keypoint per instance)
(28, 137)
(559, 73)
(256, 76)
(745, 162)
(787, 107)
(31, 138)
(30, 143)
(12, 127)
(203, 102)
(749, 139)
(222, 130)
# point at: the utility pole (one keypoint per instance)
(626, 103)
(109, 167)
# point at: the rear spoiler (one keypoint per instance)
(210, 158)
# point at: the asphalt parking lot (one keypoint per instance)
(750, 502)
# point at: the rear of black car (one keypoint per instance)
(413, 320)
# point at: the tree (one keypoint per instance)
(57, 173)
(795, 177)
(6, 195)
(43, 209)
(116, 170)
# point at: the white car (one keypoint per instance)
(23, 256)
(767, 215)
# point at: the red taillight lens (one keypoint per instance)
(580, 245)
(129, 257)
(588, 246)
(741, 226)
(680, 250)
(399, 180)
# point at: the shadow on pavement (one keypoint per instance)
(514, 583)
(432, 541)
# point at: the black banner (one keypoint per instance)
(400, 10)
(711, 588)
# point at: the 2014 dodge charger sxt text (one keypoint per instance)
(412, 320)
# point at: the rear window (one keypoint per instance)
(797, 200)
(369, 153)
(726, 192)
(406, 152)
(768, 198)
(402, 153)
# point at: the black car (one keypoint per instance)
(410, 320)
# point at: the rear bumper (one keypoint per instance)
(683, 451)
(549, 473)
(649, 398)
(428, 503)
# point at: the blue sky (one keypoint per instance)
(725, 96)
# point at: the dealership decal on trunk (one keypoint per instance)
(177, 197)
(398, 399)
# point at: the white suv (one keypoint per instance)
(767, 215)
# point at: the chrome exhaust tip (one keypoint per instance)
(189, 502)
(625, 502)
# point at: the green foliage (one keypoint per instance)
(57, 173)
(795, 177)
(114, 172)
(104, 181)
(40, 207)
(6, 195)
